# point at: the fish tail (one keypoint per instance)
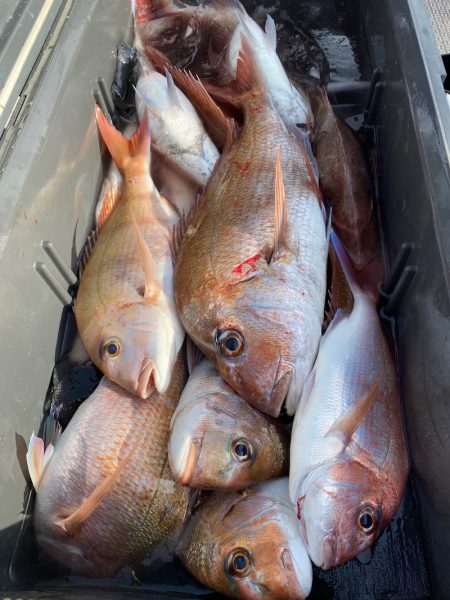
(248, 76)
(360, 286)
(122, 149)
(148, 10)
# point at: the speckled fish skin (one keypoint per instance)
(229, 277)
(210, 422)
(345, 182)
(144, 506)
(258, 523)
(116, 302)
(178, 134)
(348, 450)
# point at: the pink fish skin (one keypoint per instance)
(349, 459)
(107, 497)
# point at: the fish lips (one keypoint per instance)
(280, 390)
(183, 466)
(145, 385)
(298, 577)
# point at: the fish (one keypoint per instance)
(348, 460)
(206, 41)
(250, 272)
(245, 545)
(105, 496)
(178, 134)
(345, 182)
(125, 308)
(217, 440)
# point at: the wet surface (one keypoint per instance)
(319, 42)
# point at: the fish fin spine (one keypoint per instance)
(87, 251)
(111, 195)
(38, 459)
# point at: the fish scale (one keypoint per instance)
(143, 507)
(126, 296)
(234, 224)
(348, 450)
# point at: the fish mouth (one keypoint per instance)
(293, 579)
(280, 390)
(183, 467)
(146, 381)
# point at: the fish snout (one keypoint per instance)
(280, 389)
(298, 576)
(145, 385)
(183, 463)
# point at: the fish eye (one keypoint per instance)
(239, 562)
(231, 343)
(241, 450)
(367, 520)
(110, 348)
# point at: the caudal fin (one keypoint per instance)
(359, 285)
(122, 149)
(248, 75)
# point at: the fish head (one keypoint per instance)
(342, 513)
(223, 442)
(246, 545)
(135, 346)
(263, 346)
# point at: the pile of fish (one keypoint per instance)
(238, 212)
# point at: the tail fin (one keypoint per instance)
(359, 289)
(148, 10)
(248, 77)
(121, 149)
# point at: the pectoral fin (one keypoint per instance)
(344, 427)
(74, 521)
(38, 459)
(147, 261)
(281, 226)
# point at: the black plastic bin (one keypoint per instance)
(51, 168)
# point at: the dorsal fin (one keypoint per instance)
(110, 196)
(87, 251)
(186, 221)
(73, 522)
(211, 114)
(147, 261)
